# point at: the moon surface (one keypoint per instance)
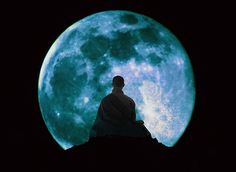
(78, 69)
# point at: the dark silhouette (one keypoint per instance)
(117, 141)
(116, 115)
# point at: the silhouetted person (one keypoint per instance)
(116, 115)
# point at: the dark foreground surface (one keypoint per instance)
(112, 154)
(117, 153)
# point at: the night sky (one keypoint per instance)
(202, 28)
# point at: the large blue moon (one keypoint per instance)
(78, 69)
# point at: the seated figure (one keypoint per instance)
(116, 115)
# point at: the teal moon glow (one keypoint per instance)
(78, 69)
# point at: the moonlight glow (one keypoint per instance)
(78, 69)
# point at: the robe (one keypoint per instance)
(116, 117)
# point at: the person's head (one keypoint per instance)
(118, 81)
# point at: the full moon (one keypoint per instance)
(78, 69)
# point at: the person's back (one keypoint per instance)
(116, 115)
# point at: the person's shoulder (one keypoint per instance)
(106, 98)
(130, 99)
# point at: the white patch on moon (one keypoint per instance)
(58, 114)
(179, 61)
(145, 49)
(158, 118)
(79, 120)
(86, 99)
(116, 70)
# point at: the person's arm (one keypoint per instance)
(133, 116)
(133, 113)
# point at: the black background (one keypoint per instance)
(203, 29)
